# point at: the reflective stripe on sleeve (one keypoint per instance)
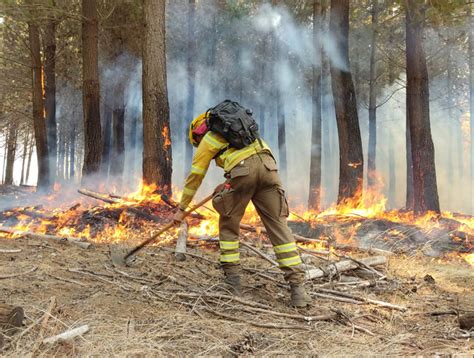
(290, 261)
(229, 245)
(188, 191)
(212, 141)
(198, 170)
(280, 249)
(230, 257)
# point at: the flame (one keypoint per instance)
(166, 137)
(368, 204)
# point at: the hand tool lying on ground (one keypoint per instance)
(121, 260)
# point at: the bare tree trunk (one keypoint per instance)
(191, 69)
(471, 100)
(118, 142)
(50, 91)
(351, 161)
(24, 156)
(133, 146)
(5, 151)
(157, 166)
(72, 153)
(39, 122)
(91, 94)
(28, 165)
(11, 152)
(392, 186)
(410, 200)
(372, 152)
(314, 200)
(422, 149)
(107, 134)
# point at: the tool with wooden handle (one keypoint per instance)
(122, 260)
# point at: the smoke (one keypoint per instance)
(236, 57)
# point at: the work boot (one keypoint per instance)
(299, 297)
(232, 283)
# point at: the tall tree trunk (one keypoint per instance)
(471, 99)
(50, 90)
(351, 161)
(23, 157)
(107, 134)
(133, 146)
(157, 166)
(191, 70)
(314, 200)
(72, 153)
(90, 91)
(422, 149)
(11, 152)
(28, 165)
(280, 107)
(118, 143)
(39, 123)
(372, 152)
(392, 186)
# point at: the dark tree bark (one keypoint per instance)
(471, 98)
(50, 91)
(72, 153)
(39, 123)
(422, 148)
(91, 94)
(314, 200)
(11, 152)
(28, 165)
(24, 155)
(191, 69)
(157, 166)
(371, 158)
(410, 199)
(351, 161)
(280, 110)
(118, 143)
(133, 144)
(392, 178)
(107, 134)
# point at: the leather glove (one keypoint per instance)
(178, 216)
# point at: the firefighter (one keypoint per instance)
(252, 175)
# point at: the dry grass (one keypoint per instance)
(143, 314)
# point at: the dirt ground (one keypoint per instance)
(163, 307)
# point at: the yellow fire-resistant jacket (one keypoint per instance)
(210, 146)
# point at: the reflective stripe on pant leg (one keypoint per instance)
(230, 257)
(280, 249)
(290, 261)
(228, 245)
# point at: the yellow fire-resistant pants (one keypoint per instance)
(256, 178)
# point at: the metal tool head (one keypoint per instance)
(118, 255)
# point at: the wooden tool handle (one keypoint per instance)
(168, 226)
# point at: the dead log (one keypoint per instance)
(341, 266)
(262, 230)
(180, 250)
(32, 235)
(69, 334)
(11, 318)
(466, 321)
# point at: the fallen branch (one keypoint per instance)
(341, 266)
(362, 299)
(9, 251)
(260, 253)
(67, 335)
(19, 274)
(32, 235)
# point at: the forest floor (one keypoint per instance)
(163, 307)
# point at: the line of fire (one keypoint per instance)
(236, 177)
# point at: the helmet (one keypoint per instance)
(197, 129)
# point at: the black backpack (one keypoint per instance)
(233, 122)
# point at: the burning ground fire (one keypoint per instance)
(122, 218)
